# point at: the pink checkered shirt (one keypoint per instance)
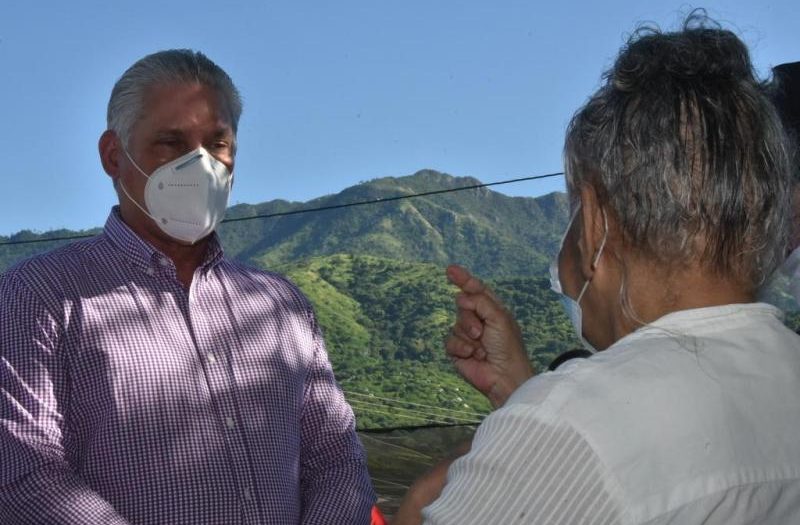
(126, 399)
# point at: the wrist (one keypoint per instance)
(503, 389)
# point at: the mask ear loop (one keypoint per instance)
(125, 191)
(597, 256)
(555, 280)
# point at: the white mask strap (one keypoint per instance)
(134, 164)
(597, 256)
(122, 186)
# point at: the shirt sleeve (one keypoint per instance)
(334, 480)
(37, 484)
(524, 470)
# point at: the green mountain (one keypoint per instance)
(385, 322)
(32, 243)
(491, 233)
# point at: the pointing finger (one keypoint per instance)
(461, 277)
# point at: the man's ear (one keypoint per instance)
(593, 230)
(110, 149)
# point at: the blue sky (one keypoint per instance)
(335, 92)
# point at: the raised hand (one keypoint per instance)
(485, 342)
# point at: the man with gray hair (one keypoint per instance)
(146, 378)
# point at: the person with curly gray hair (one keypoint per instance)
(678, 174)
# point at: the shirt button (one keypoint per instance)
(164, 262)
(150, 271)
(211, 358)
(230, 422)
(248, 495)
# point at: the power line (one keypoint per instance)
(387, 430)
(401, 402)
(431, 422)
(316, 209)
(450, 415)
(391, 199)
(48, 239)
(393, 483)
(399, 447)
(360, 404)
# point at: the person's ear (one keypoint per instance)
(593, 231)
(110, 149)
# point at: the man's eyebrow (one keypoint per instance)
(223, 132)
(169, 132)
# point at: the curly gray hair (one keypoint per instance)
(686, 150)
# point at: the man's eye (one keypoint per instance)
(220, 145)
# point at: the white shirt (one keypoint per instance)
(692, 419)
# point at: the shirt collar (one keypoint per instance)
(689, 322)
(143, 255)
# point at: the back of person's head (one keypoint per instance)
(173, 66)
(687, 152)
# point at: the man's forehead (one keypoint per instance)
(172, 108)
(222, 130)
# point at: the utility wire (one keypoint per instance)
(48, 239)
(431, 423)
(401, 402)
(393, 483)
(437, 418)
(411, 428)
(400, 447)
(390, 199)
(317, 209)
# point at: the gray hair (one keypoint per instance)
(166, 67)
(684, 147)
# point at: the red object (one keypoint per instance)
(377, 517)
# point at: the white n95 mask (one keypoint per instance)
(186, 197)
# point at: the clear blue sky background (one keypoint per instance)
(335, 92)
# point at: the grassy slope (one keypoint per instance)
(385, 322)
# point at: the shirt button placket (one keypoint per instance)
(248, 505)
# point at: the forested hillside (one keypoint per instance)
(492, 233)
(385, 322)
